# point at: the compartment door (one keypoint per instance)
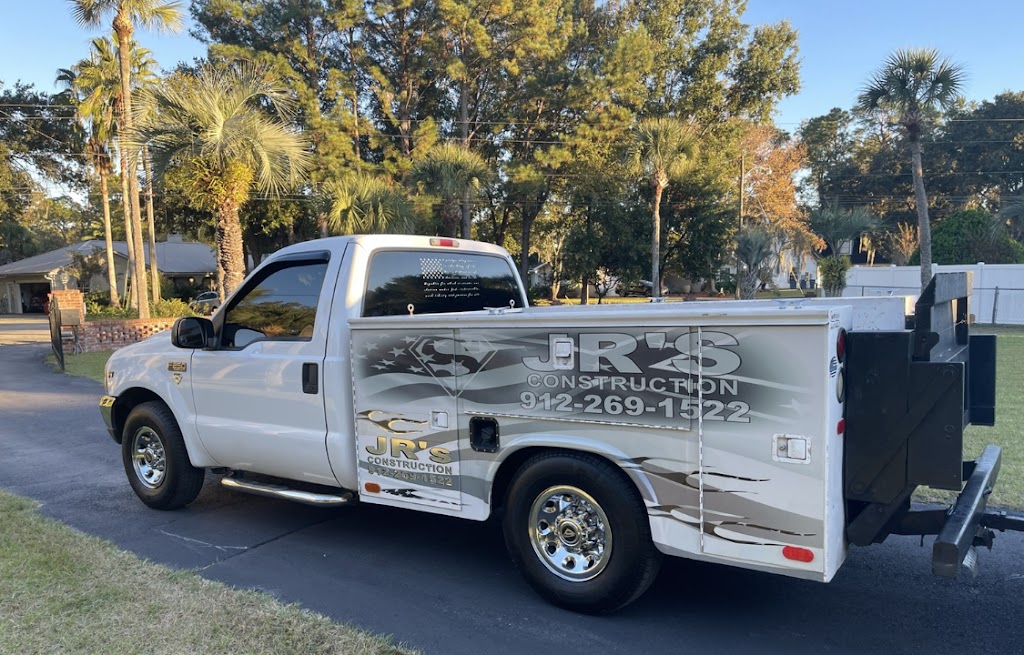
(761, 457)
(406, 425)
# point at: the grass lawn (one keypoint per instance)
(1008, 432)
(87, 365)
(65, 592)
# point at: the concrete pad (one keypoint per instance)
(20, 329)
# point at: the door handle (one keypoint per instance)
(310, 378)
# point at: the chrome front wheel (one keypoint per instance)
(570, 533)
(148, 458)
(156, 460)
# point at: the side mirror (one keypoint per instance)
(192, 332)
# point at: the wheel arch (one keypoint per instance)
(511, 464)
(126, 402)
(132, 397)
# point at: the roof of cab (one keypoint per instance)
(378, 241)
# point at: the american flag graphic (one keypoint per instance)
(436, 356)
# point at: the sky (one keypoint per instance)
(841, 43)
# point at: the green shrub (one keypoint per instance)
(538, 292)
(971, 236)
(97, 312)
(832, 272)
(98, 298)
(171, 308)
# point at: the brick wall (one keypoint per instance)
(111, 335)
(70, 299)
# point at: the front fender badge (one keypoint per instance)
(177, 378)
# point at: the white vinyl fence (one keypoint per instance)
(998, 295)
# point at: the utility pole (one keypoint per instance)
(743, 162)
(740, 221)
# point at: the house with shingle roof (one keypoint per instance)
(24, 284)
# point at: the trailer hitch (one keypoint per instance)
(967, 524)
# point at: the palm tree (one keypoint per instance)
(837, 228)
(755, 254)
(450, 172)
(95, 85)
(361, 203)
(663, 150)
(913, 84)
(98, 120)
(157, 14)
(211, 129)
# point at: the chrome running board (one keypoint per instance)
(277, 491)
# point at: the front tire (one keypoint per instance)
(155, 458)
(577, 529)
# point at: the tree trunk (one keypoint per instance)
(748, 281)
(140, 248)
(502, 227)
(524, 249)
(123, 28)
(154, 267)
(115, 298)
(133, 296)
(230, 257)
(449, 218)
(656, 244)
(921, 200)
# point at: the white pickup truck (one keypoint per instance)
(410, 372)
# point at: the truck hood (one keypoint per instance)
(156, 344)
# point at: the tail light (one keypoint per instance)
(447, 243)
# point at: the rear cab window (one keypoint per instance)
(436, 282)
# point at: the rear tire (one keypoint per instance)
(155, 458)
(577, 529)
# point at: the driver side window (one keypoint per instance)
(280, 307)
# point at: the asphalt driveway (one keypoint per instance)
(446, 586)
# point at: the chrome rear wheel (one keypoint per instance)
(570, 533)
(577, 528)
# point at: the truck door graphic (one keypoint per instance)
(405, 388)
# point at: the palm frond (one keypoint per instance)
(755, 247)
(664, 148)
(216, 116)
(361, 203)
(156, 15)
(837, 226)
(90, 13)
(912, 80)
(450, 171)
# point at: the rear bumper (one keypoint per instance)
(965, 522)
